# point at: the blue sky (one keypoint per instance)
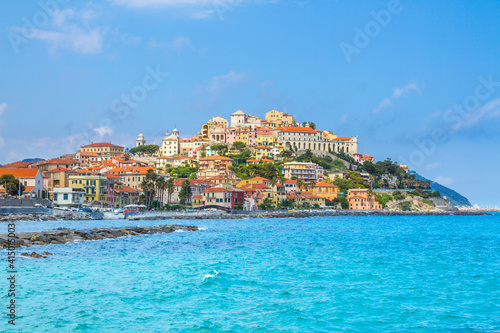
(416, 81)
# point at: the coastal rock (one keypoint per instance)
(62, 235)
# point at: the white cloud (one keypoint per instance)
(72, 30)
(219, 83)
(203, 14)
(446, 181)
(3, 108)
(177, 44)
(489, 111)
(78, 41)
(396, 94)
(103, 131)
(176, 3)
(385, 103)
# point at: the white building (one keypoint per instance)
(68, 197)
(171, 144)
(140, 140)
(30, 178)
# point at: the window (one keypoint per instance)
(65, 196)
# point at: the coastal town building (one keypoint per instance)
(170, 144)
(68, 197)
(306, 171)
(362, 199)
(214, 166)
(103, 149)
(140, 141)
(325, 190)
(30, 178)
(93, 185)
(277, 119)
(58, 177)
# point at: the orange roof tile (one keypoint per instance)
(60, 169)
(212, 158)
(323, 184)
(101, 144)
(20, 173)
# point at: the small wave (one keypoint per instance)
(203, 229)
(211, 276)
(179, 230)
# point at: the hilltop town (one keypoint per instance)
(242, 163)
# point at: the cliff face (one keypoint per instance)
(454, 198)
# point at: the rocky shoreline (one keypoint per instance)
(221, 215)
(63, 235)
(298, 214)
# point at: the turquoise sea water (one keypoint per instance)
(359, 274)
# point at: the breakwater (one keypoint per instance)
(64, 235)
(288, 214)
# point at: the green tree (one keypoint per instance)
(220, 149)
(160, 187)
(11, 184)
(239, 145)
(311, 124)
(185, 193)
(148, 186)
(203, 152)
(170, 187)
(145, 150)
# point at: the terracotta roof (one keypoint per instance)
(298, 129)
(28, 189)
(259, 178)
(60, 169)
(127, 189)
(343, 138)
(58, 161)
(17, 164)
(198, 196)
(290, 182)
(217, 189)
(323, 184)
(20, 173)
(212, 158)
(101, 144)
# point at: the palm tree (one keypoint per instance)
(170, 188)
(160, 187)
(273, 183)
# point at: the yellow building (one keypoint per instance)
(103, 149)
(266, 140)
(277, 119)
(94, 186)
(325, 190)
(254, 181)
(262, 151)
(300, 198)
